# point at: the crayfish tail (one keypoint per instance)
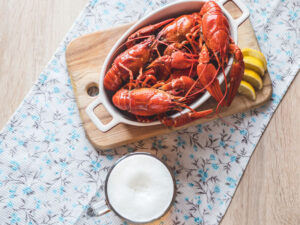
(215, 91)
(208, 78)
(112, 80)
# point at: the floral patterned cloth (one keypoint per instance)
(49, 172)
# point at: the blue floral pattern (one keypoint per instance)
(49, 172)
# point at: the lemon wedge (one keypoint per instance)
(254, 64)
(253, 78)
(246, 89)
(256, 54)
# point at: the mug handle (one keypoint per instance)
(242, 7)
(98, 208)
(90, 112)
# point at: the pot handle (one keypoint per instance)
(98, 208)
(90, 112)
(242, 7)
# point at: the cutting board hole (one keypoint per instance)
(92, 89)
(102, 114)
(233, 9)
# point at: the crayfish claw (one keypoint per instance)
(145, 32)
(236, 73)
(185, 118)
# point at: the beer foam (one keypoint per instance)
(140, 188)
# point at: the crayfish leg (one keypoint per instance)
(145, 119)
(146, 79)
(130, 74)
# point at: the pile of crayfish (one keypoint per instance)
(168, 65)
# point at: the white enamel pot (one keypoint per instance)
(169, 11)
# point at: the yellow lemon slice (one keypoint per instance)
(256, 54)
(253, 78)
(254, 64)
(246, 89)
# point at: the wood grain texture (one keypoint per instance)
(85, 56)
(30, 32)
(269, 191)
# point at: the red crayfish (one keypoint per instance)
(175, 63)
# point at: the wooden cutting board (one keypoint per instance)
(85, 56)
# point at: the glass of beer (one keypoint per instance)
(139, 188)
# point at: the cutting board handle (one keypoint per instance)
(242, 7)
(90, 112)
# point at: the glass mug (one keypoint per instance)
(139, 188)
